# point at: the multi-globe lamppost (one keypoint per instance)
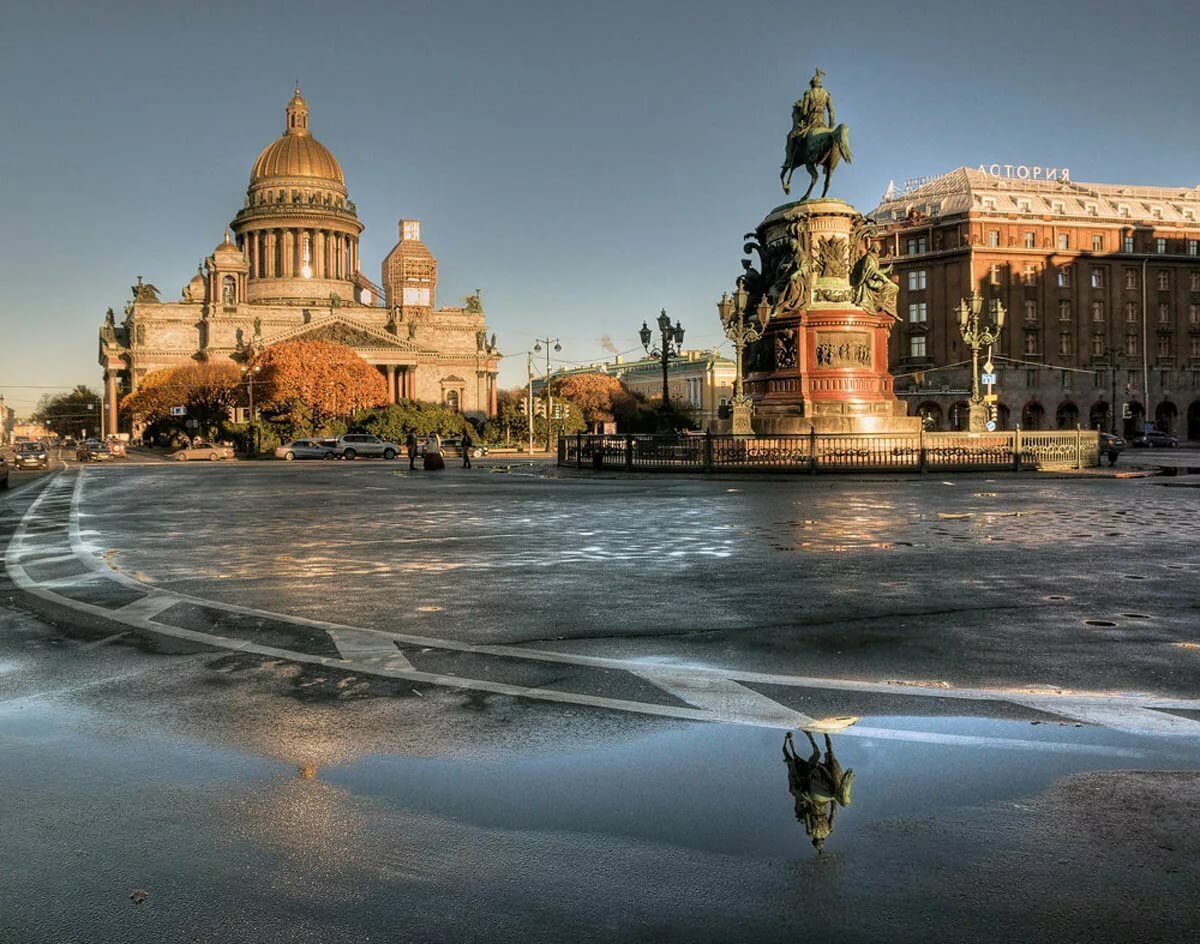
(976, 336)
(742, 332)
(670, 346)
(538, 342)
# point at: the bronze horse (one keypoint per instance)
(823, 147)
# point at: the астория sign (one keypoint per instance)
(1026, 172)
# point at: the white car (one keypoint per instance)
(353, 445)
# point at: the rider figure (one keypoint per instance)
(811, 113)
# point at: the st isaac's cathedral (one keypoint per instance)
(290, 270)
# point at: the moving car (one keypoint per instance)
(353, 445)
(1155, 439)
(211, 453)
(1111, 446)
(91, 450)
(305, 449)
(117, 448)
(31, 455)
(453, 447)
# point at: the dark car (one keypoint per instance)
(1111, 446)
(31, 455)
(1155, 439)
(3, 473)
(92, 450)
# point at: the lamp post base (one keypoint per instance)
(977, 418)
(741, 425)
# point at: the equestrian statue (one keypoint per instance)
(814, 141)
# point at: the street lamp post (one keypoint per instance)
(670, 346)
(742, 332)
(249, 372)
(537, 347)
(975, 335)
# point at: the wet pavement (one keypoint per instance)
(256, 798)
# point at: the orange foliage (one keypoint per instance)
(208, 390)
(329, 378)
(599, 397)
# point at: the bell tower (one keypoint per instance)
(410, 274)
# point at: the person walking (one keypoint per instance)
(467, 443)
(410, 443)
(433, 453)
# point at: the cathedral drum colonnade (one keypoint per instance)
(290, 269)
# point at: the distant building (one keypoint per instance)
(1102, 287)
(699, 381)
(290, 270)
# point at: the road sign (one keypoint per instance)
(192, 424)
(179, 411)
(990, 426)
(987, 379)
(991, 397)
(1126, 411)
(989, 366)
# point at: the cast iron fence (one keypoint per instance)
(835, 452)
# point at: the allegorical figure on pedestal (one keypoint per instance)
(814, 140)
(872, 285)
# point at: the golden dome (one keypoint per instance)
(297, 153)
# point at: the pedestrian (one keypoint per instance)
(467, 443)
(410, 443)
(433, 453)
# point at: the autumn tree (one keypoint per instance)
(600, 398)
(208, 390)
(308, 382)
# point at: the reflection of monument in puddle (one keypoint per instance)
(818, 785)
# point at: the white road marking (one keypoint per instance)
(726, 699)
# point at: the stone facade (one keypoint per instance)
(1102, 287)
(290, 269)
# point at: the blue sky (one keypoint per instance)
(584, 164)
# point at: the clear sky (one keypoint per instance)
(584, 164)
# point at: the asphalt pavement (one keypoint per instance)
(516, 704)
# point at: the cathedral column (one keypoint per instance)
(353, 257)
(319, 254)
(493, 408)
(391, 382)
(110, 397)
(272, 270)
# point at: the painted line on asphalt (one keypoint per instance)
(713, 693)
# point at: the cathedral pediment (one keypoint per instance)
(341, 329)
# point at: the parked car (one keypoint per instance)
(305, 449)
(31, 455)
(453, 447)
(353, 445)
(69, 443)
(1155, 439)
(117, 448)
(1111, 446)
(211, 453)
(3, 473)
(92, 450)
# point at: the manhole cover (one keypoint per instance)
(1135, 615)
(1099, 623)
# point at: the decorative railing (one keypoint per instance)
(835, 452)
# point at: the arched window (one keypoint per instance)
(229, 290)
(1067, 415)
(452, 400)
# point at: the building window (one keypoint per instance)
(1056, 206)
(1131, 312)
(994, 275)
(916, 345)
(1128, 244)
(1092, 209)
(993, 238)
(1064, 278)
(1097, 345)
(1098, 312)
(1131, 344)
(1029, 277)
(916, 280)
(1193, 314)
(1131, 278)
(1195, 348)
(1160, 246)
(1064, 343)
(988, 203)
(452, 400)
(1097, 278)
(1164, 280)
(1031, 345)
(1193, 247)
(1064, 311)
(1195, 281)
(1164, 313)
(1156, 212)
(1030, 241)
(1097, 243)
(229, 290)
(1164, 345)
(917, 313)
(1024, 206)
(1064, 241)
(917, 245)
(1031, 311)
(1123, 209)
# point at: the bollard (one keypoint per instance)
(708, 450)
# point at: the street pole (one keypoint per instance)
(538, 342)
(975, 335)
(740, 332)
(671, 346)
(529, 402)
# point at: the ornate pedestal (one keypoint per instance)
(822, 363)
